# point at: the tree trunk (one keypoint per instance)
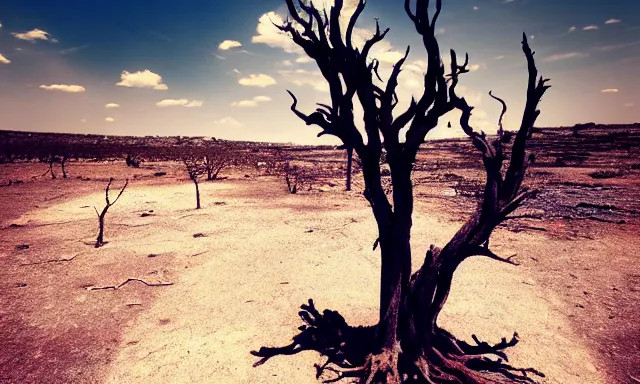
(349, 167)
(100, 239)
(53, 175)
(64, 172)
(197, 194)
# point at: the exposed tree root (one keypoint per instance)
(114, 287)
(49, 261)
(352, 353)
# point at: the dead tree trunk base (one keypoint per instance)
(352, 354)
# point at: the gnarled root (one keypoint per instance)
(382, 367)
(352, 353)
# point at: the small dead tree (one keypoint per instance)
(297, 177)
(407, 345)
(101, 215)
(215, 161)
(63, 161)
(195, 169)
(131, 162)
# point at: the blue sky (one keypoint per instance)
(214, 68)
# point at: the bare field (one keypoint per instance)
(259, 252)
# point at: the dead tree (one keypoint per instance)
(63, 160)
(195, 169)
(101, 215)
(297, 177)
(407, 345)
(215, 161)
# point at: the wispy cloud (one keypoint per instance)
(228, 44)
(109, 119)
(572, 28)
(228, 121)
(610, 90)
(142, 79)
(614, 47)
(590, 28)
(257, 80)
(612, 21)
(63, 88)
(629, 104)
(179, 103)
(251, 103)
(73, 49)
(112, 105)
(33, 35)
(564, 56)
(4, 60)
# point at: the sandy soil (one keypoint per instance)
(261, 253)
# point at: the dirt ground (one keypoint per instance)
(257, 254)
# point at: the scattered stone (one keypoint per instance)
(196, 235)
(159, 174)
(22, 247)
(145, 214)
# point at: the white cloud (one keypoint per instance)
(179, 103)
(228, 44)
(0, 25)
(609, 90)
(629, 104)
(228, 121)
(612, 21)
(288, 63)
(251, 103)
(590, 28)
(262, 99)
(499, 57)
(109, 119)
(303, 59)
(33, 35)
(63, 88)
(572, 28)
(302, 77)
(564, 56)
(83, 120)
(142, 79)
(4, 60)
(269, 34)
(112, 105)
(475, 8)
(260, 80)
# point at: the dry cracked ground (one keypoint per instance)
(239, 268)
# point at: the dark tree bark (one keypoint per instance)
(349, 168)
(63, 161)
(407, 345)
(101, 215)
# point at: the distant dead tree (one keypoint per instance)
(407, 345)
(215, 160)
(195, 169)
(297, 177)
(101, 215)
(349, 166)
(131, 162)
